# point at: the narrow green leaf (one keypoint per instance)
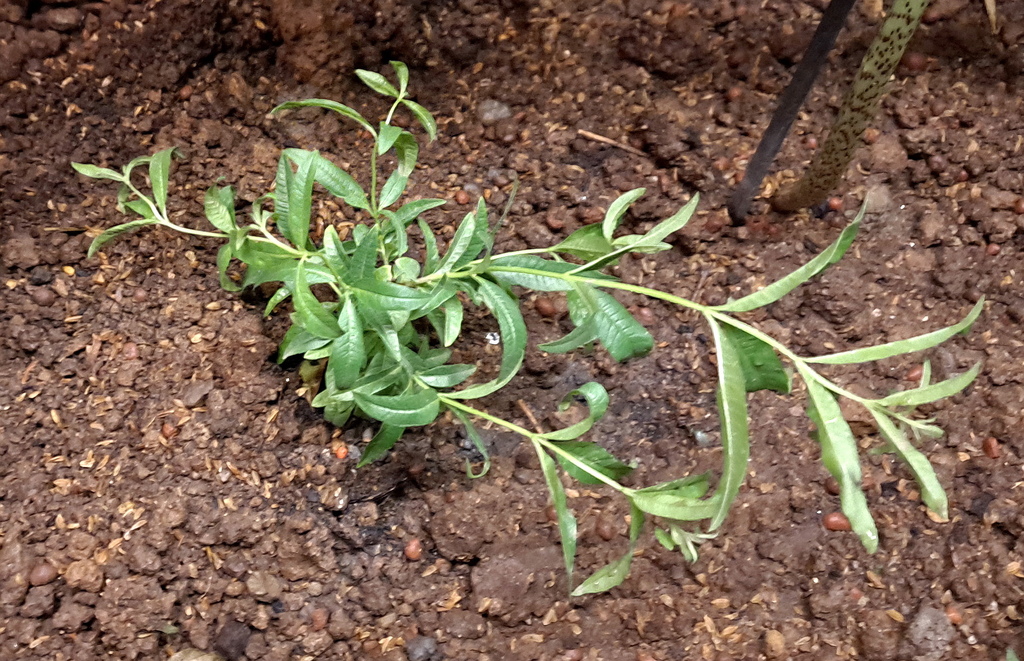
(334, 252)
(478, 443)
(159, 175)
(595, 457)
(364, 259)
(348, 353)
(109, 235)
(402, 72)
(762, 369)
(423, 116)
(377, 82)
(300, 196)
(391, 296)
(219, 205)
(780, 288)
(513, 338)
(297, 341)
(597, 403)
(279, 297)
(282, 184)
(310, 312)
(910, 345)
(432, 257)
(612, 574)
(532, 272)
(407, 151)
(95, 172)
(622, 335)
(405, 410)
(932, 494)
(933, 392)
(580, 336)
(380, 444)
(458, 245)
(566, 520)
(340, 183)
(453, 312)
(224, 256)
(411, 211)
(672, 505)
(386, 136)
(732, 413)
(392, 189)
(839, 454)
(617, 210)
(447, 376)
(142, 208)
(327, 104)
(587, 243)
(672, 224)
(338, 413)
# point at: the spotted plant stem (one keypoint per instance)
(858, 109)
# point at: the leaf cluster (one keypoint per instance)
(376, 326)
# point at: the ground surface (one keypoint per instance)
(163, 487)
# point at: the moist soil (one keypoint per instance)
(166, 487)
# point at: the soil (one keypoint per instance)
(164, 487)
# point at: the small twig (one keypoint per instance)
(608, 141)
(529, 414)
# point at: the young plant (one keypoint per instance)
(376, 327)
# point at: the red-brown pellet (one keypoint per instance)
(414, 549)
(545, 307)
(43, 296)
(811, 142)
(130, 351)
(605, 528)
(836, 521)
(832, 486)
(835, 204)
(1018, 206)
(990, 446)
(42, 574)
(318, 619)
(733, 93)
(168, 431)
(139, 295)
(915, 373)
(993, 249)
(185, 93)
(915, 62)
(872, 135)
(953, 613)
(551, 513)
(462, 197)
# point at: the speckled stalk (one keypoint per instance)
(858, 109)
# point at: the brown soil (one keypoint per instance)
(164, 487)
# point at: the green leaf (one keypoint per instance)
(402, 72)
(478, 443)
(348, 353)
(580, 336)
(531, 272)
(142, 208)
(109, 235)
(432, 257)
(595, 457)
(672, 224)
(411, 211)
(381, 444)
(452, 312)
(932, 494)
(910, 345)
(159, 174)
(587, 243)
(327, 104)
(377, 82)
(762, 369)
(337, 412)
(300, 196)
(617, 210)
(340, 183)
(408, 151)
(733, 385)
(839, 454)
(566, 520)
(392, 189)
(391, 296)
(597, 403)
(680, 503)
(95, 172)
(622, 335)
(224, 256)
(386, 136)
(405, 410)
(219, 205)
(612, 574)
(334, 252)
(297, 341)
(459, 244)
(933, 392)
(423, 116)
(780, 288)
(513, 337)
(310, 312)
(446, 376)
(364, 259)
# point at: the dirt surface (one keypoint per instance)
(164, 487)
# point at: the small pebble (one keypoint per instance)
(953, 613)
(545, 307)
(41, 275)
(915, 373)
(130, 351)
(774, 644)
(139, 295)
(733, 93)
(491, 112)
(168, 431)
(811, 142)
(421, 648)
(915, 62)
(990, 446)
(43, 296)
(836, 521)
(318, 618)
(872, 135)
(42, 574)
(185, 93)
(645, 315)
(605, 528)
(462, 197)
(1018, 206)
(572, 655)
(993, 249)
(414, 549)
(554, 221)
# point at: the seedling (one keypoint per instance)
(380, 325)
